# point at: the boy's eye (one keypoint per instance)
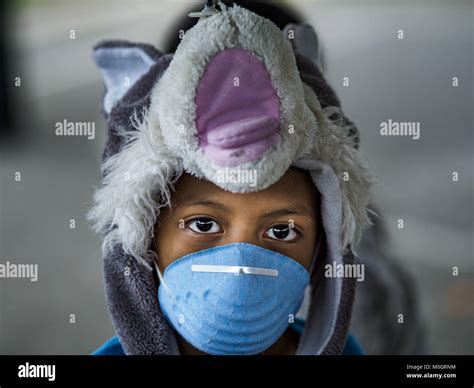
(204, 225)
(281, 232)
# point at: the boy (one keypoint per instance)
(235, 191)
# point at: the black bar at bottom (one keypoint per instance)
(318, 371)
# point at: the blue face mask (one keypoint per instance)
(234, 299)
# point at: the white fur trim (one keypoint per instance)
(135, 186)
(335, 147)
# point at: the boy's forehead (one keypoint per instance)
(295, 186)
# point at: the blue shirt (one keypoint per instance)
(113, 347)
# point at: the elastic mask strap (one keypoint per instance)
(316, 254)
(162, 281)
(305, 305)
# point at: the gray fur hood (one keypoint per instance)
(153, 137)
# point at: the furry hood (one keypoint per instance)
(238, 96)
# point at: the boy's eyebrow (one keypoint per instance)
(300, 210)
(192, 201)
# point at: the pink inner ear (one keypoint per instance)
(237, 109)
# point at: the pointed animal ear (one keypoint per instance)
(310, 62)
(122, 64)
(305, 41)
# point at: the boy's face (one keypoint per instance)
(282, 218)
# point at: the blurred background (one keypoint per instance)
(407, 79)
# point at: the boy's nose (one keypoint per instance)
(244, 232)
